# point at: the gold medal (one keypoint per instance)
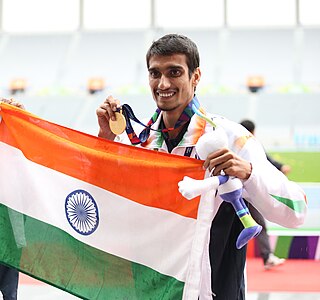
(119, 125)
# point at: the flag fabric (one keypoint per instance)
(98, 219)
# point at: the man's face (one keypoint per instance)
(169, 81)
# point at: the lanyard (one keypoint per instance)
(129, 115)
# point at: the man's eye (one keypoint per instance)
(154, 74)
(175, 73)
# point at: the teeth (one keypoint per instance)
(166, 94)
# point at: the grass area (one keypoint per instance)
(305, 166)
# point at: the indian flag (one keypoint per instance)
(96, 218)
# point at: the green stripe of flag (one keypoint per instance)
(297, 206)
(53, 256)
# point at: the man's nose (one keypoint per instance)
(164, 83)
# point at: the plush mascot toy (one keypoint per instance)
(229, 188)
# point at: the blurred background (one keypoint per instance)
(260, 59)
(62, 58)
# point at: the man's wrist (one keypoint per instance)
(249, 171)
(106, 135)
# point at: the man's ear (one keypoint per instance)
(196, 76)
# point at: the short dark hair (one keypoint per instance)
(171, 44)
(249, 125)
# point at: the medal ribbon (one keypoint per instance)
(188, 112)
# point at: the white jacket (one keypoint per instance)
(278, 199)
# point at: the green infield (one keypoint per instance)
(305, 166)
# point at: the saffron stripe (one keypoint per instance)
(112, 166)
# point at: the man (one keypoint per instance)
(9, 277)
(174, 73)
(269, 259)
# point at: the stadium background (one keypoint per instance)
(62, 58)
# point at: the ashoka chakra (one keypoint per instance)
(82, 212)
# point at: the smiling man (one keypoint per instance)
(173, 65)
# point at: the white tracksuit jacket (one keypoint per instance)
(279, 200)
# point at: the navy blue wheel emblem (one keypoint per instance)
(82, 212)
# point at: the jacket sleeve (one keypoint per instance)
(278, 199)
(277, 164)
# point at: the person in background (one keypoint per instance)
(269, 259)
(250, 126)
(174, 73)
(9, 277)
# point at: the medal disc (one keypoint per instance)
(119, 125)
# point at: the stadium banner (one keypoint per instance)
(96, 218)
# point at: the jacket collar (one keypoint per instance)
(195, 129)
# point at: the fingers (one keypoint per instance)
(108, 108)
(222, 161)
(105, 112)
(8, 101)
(217, 158)
(12, 102)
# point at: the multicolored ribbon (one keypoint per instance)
(197, 111)
(189, 111)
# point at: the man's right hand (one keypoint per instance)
(105, 112)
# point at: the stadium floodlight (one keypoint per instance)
(17, 85)
(95, 84)
(255, 83)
